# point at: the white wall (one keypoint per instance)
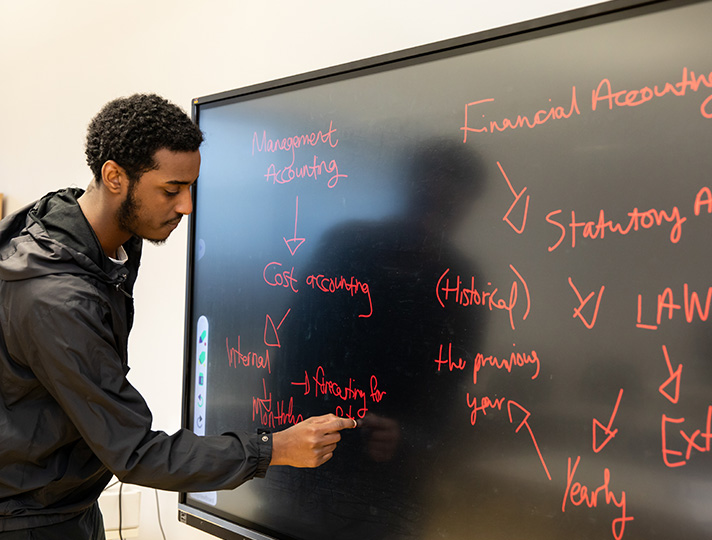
(60, 61)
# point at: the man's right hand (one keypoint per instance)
(310, 443)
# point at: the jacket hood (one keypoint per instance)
(52, 236)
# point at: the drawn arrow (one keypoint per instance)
(294, 243)
(271, 329)
(583, 302)
(674, 377)
(524, 422)
(517, 196)
(606, 429)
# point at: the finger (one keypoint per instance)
(330, 439)
(326, 458)
(338, 423)
(328, 449)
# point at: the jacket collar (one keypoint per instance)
(64, 241)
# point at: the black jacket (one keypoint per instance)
(69, 418)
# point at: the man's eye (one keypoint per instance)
(171, 193)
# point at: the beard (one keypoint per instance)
(127, 215)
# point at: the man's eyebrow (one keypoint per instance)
(181, 182)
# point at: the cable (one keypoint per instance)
(121, 487)
(158, 511)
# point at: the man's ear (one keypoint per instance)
(114, 177)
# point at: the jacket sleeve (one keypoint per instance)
(65, 336)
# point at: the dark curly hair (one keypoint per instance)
(130, 130)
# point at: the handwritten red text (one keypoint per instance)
(578, 495)
(666, 306)
(459, 293)
(539, 118)
(334, 284)
(488, 404)
(273, 417)
(349, 392)
(313, 170)
(276, 277)
(632, 98)
(290, 144)
(597, 229)
(689, 440)
(250, 359)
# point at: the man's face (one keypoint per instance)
(155, 204)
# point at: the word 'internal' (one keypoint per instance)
(250, 359)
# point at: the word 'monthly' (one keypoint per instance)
(273, 414)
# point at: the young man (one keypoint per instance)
(69, 419)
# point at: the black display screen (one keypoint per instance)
(493, 252)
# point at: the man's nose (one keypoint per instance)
(185, 204)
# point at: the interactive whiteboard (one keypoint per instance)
(495, 253)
